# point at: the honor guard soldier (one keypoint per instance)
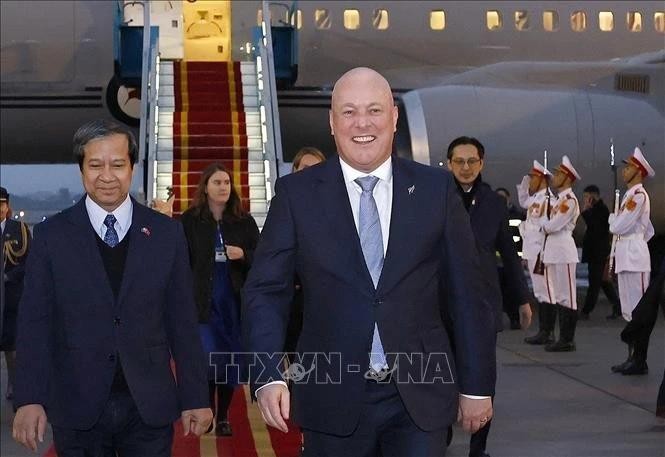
(560, 254)
(632, 229)
(534, 196)
(15, 242)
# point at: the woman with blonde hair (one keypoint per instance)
(306, 157)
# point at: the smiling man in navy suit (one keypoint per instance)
(107, 304)
(376, 241)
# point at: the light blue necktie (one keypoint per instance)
(371, 241)
(111, 236)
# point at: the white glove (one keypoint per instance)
(523, 192)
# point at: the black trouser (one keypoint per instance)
(385, 429)
(120, 431)
(596, 267)
(224, 397)
(660, 402)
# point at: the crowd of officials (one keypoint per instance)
(115, 291)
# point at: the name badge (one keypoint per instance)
(220, 255)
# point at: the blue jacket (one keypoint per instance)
(310, 232)
(70, 326)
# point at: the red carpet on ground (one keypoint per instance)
(251, 437)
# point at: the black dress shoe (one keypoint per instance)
(635, 368)
(620, 367)
(613, 316)
(561, 346)
(542, 337)
(223, 429)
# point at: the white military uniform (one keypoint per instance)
(631, 255)
(532, 233)
(560, 253)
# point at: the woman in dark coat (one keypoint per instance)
(221, 238)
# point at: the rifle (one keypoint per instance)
(617, 194)
(539, 266)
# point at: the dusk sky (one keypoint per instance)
(28, 179)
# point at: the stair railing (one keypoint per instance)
(270, 128)
(148, 129)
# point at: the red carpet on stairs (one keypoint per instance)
(208, 126)
(251, 437)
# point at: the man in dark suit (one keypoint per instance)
(108, 302)
(516, 216)
(372, 238)
(489, 221)
(595, 249)
(15, 244)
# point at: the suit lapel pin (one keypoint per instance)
(145, 231)
(411, 189)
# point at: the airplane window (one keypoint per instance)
(380, 19)
(296, 19)
(437, 20)
(634, 21)
(322, 19)
(550, 21)
(578, 21)
(494, 21)
(606, 21)
(351, 19)
(522, 20)
(659, 21)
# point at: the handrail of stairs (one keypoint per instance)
(272, 138)
(149, 110)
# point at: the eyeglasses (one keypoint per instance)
(470, 162)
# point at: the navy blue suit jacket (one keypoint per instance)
(310, 232)
(70, 326)
(489, 220)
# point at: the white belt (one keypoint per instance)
(632, 236)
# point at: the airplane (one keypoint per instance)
(522, 76)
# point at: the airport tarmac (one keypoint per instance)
(547, 404)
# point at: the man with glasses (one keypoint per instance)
(489, 222)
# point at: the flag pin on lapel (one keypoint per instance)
(145, 231)
(411, 189)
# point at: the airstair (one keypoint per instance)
(198, 111)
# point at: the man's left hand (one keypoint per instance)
(474, 414)
(525, 316)
(196, 421)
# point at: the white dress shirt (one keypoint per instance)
(383, 194)
(97, 214)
